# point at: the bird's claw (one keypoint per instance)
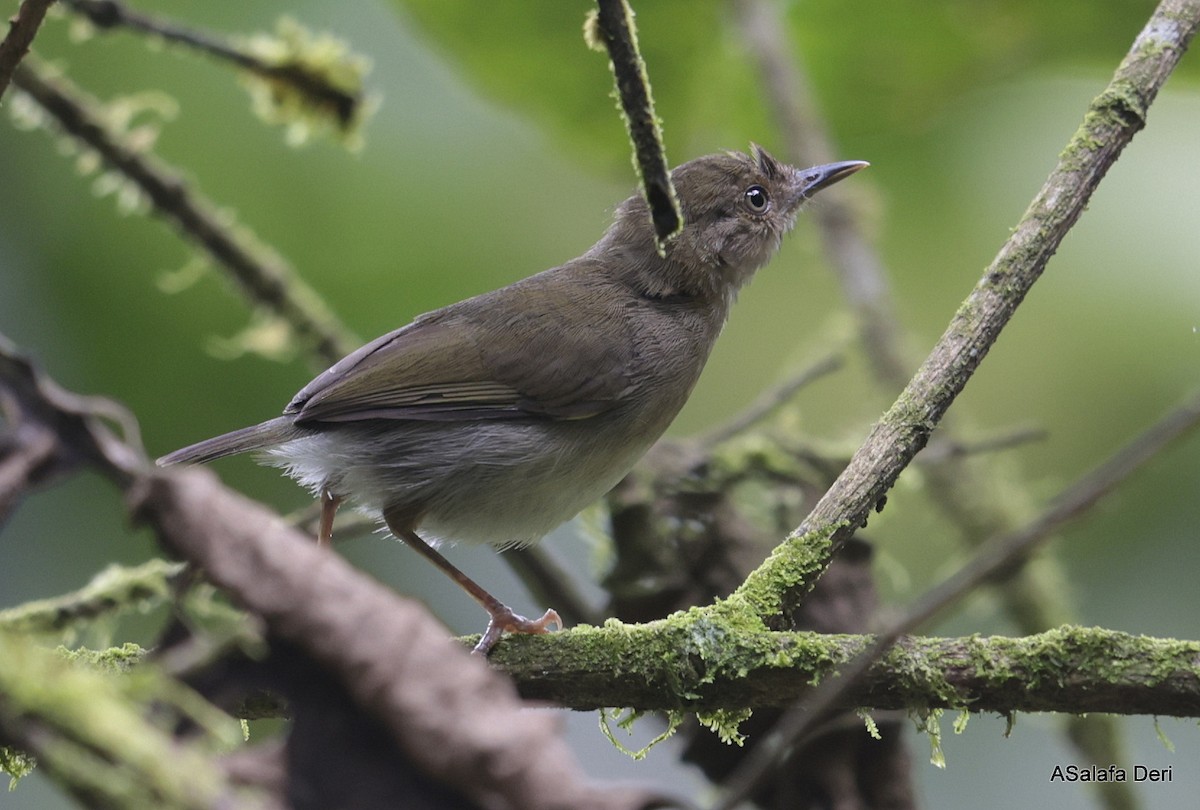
(504, 620)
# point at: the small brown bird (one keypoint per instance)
(498, 418)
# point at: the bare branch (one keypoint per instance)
(381, 657)
(21, 31)
(854, 261)
(35, 406)
(387, 652)
(770, 401)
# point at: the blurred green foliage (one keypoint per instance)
(497, 151)
(881, 67)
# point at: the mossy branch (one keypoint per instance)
(1110, 123)
(310, 77)
(691, 662)
(116, 589)
(951, 484)
(86, 728)
(262, 274)
(613, 26)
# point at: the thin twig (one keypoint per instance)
(32, 401)
(947, 448)
(1110, 123)
(854, 261)
(110, 14)
(614, 24)
(263, 275)
(771, 400)
(21, 31)
(998, 558)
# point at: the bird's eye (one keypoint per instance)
(757, 199)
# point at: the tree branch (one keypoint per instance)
(21, 31)
(997, 558)
(264, 276)
(1110, 123)
(318, 87)
(692, 663)
(952, 485)
(87, 731)
(116, 589)
(372, 660)
(613, 26)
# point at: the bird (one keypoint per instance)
(497, 418)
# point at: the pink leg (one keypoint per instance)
(502, 620)
(329, 507)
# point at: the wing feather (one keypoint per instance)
(486, 358)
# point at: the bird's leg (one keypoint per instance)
(503, 618)
(329, 507)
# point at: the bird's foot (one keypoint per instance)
(504, 620)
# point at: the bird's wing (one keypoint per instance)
(494, 357)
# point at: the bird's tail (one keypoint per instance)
(257, 437)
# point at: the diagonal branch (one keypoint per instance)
(1109, 124)
(263, 275)
(320, 89)
(996, 559)
(382, 657)
(952, 485)
(21, 31)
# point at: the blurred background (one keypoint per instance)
(496, 152)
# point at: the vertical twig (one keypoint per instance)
(615, 27)
(852, 258)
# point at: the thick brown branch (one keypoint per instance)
(386, 652)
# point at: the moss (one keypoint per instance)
(88, 719)
(921, 674)
(113, 591)
(911, 411)
(113, 659)
(799, 559)
(726, 723)
(607, 720)
(17, 764)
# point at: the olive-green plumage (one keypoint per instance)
(497, 418)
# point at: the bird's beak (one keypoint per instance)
(818, 177)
